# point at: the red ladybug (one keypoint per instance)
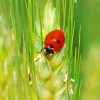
(54, 42)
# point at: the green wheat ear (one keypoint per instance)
(52, 75)
(28, 22)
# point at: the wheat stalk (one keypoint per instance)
(26, 23)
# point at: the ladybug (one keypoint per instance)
(54, 42)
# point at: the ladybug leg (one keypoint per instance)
(40, 50)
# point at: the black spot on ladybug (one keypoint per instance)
(51, 46)
(58, 41)
(51, 38)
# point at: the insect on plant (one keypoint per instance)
(54, 42)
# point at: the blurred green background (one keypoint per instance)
(87, 13)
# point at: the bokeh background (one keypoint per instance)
(87, 13)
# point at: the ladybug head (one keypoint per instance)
(48, 51)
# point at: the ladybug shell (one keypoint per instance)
(55, 40)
